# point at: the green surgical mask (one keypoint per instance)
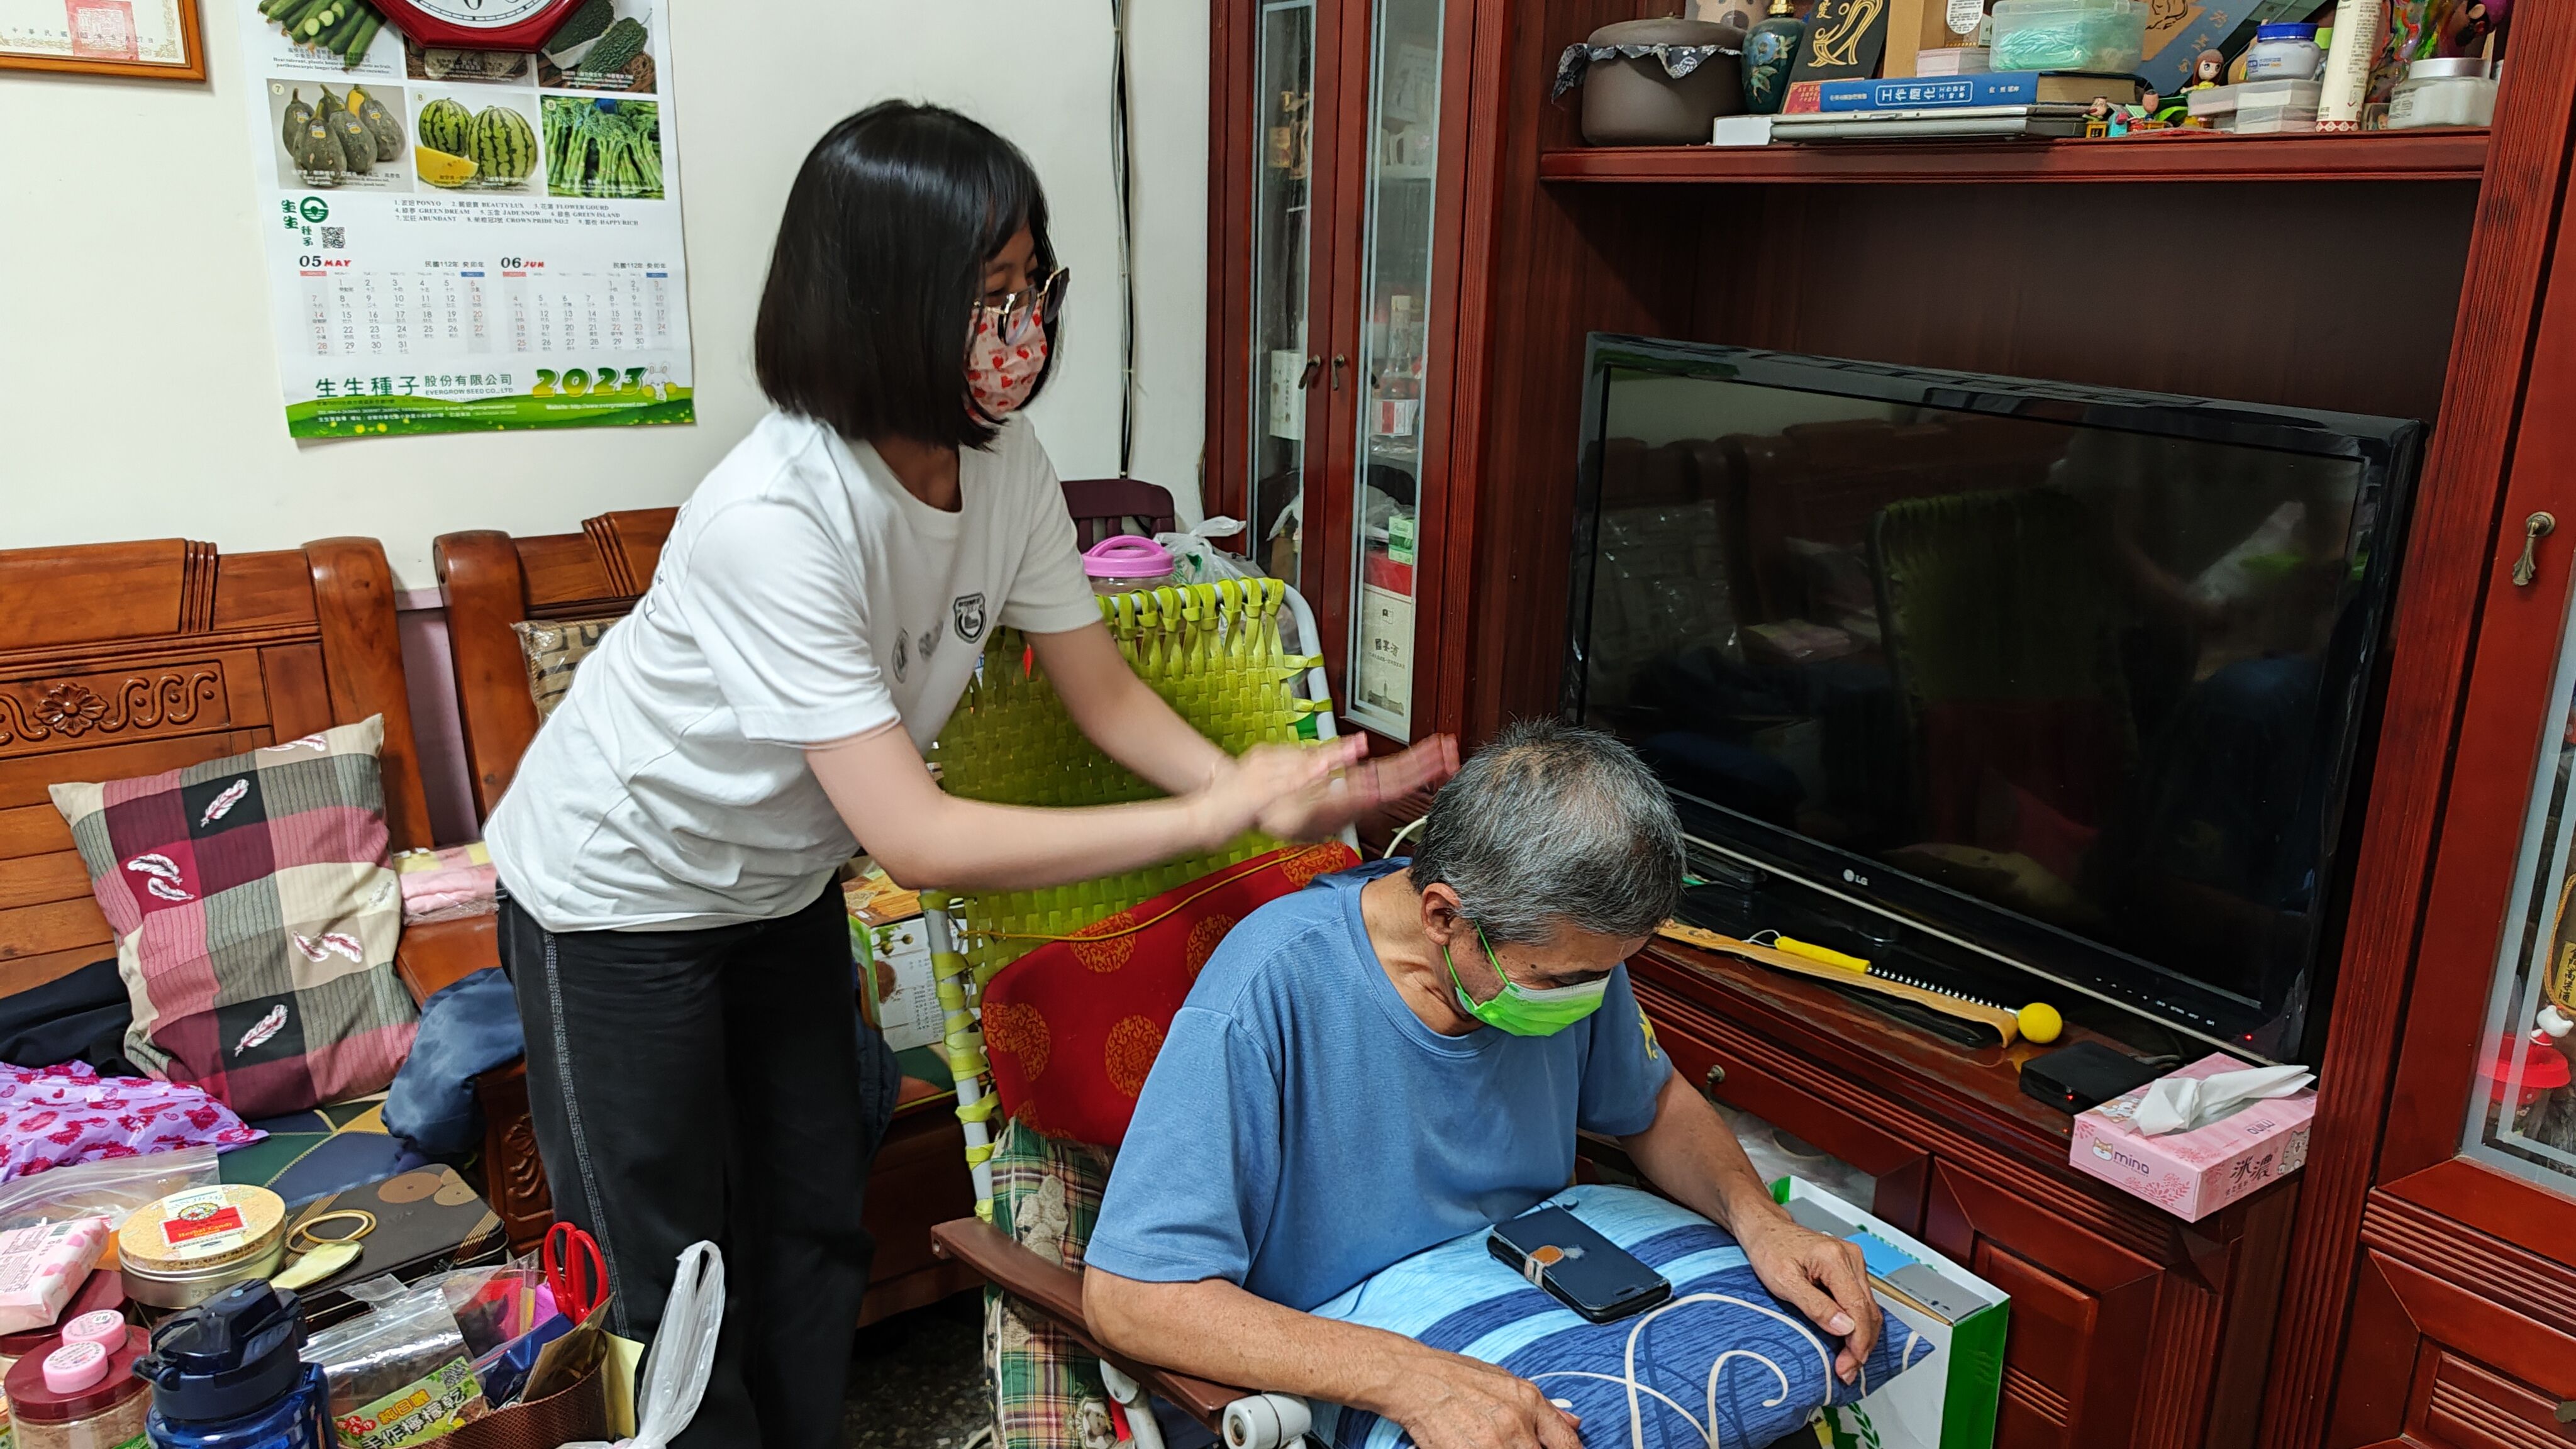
(1523, 1010)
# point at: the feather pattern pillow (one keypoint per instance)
(256, 918)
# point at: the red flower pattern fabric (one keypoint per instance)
(1073, 1027)
(61, 1116)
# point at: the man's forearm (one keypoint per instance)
(1690, 1153)
(1221, 1333)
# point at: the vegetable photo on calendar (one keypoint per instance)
(605, 148)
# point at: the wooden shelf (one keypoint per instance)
(2378, 156)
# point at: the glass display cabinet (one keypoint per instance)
(1325, 379)
(1283, 368)
(1396, 261)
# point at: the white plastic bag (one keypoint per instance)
(112, 1187)
(683, 1353)
(1197, 560)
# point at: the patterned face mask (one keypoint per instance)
(1006, 347)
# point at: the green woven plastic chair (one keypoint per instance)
(1213, 652)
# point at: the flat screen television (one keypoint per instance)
(2049, 691)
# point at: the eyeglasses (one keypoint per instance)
(1019, 314)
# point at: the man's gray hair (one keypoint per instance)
(1553, 823)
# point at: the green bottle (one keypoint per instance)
(1770, 52)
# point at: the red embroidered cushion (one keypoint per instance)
(1072, 1027)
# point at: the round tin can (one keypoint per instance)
(188, 1247)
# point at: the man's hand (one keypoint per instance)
(1216, 1330)
(1822, 1276)
(1449, 1402)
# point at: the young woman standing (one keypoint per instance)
(696, 1068)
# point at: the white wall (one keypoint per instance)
(130, 270)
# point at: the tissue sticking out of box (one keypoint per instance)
(2179, 1104)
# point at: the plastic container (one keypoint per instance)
(2259, 107)
(2108, 36)
(2275, 107)
(1124, 564)
(80, 1396)
(2284, 51)
(225, 1375)
(2443, 92)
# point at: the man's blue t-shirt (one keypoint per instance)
(1303, 1129)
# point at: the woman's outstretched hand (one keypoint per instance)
(1311, 792)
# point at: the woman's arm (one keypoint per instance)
(923, 835)
(1132, 725)
(1117, 712)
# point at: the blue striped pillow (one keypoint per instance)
(1722, 1364)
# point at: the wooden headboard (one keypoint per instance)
(492, 581)
(124, 659)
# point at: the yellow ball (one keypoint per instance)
(2040, 1023)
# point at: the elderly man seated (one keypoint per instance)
(1403, 1054)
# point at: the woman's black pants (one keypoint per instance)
(716, 1085)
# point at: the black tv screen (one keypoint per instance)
(2071, 679)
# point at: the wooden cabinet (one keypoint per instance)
(2416, 1282)
(2460, 1260)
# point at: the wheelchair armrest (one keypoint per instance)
(1055, 1291)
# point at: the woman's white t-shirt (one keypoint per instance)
(803, 597)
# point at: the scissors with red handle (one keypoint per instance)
(575, 1272)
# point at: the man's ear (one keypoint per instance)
(1443, 914)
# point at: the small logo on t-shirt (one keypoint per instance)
(969, 612)
(902, 654)
(930, 639)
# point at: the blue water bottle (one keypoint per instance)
(225, 1375)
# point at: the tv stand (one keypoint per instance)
(2158, 1327)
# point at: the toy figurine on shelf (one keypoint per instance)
(2149, 114)
(2465, 28)
(2208, 71)
(2100, 117)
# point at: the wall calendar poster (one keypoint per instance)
(466, 240)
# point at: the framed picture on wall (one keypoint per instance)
(156, 39)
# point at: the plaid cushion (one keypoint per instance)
(1047, 1392)
(255, 919)
(552, 650)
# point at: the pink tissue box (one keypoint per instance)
(2193, 1174)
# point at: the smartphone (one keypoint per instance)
(1577, 1266)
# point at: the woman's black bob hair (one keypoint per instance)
(879, 265)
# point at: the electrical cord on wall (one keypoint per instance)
(1122, 171)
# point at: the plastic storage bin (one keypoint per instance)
(2109, 36)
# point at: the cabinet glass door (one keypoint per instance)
(1395, 257)
(2522, 1107)
(1284, 367)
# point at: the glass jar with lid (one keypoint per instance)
(2443, 92)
